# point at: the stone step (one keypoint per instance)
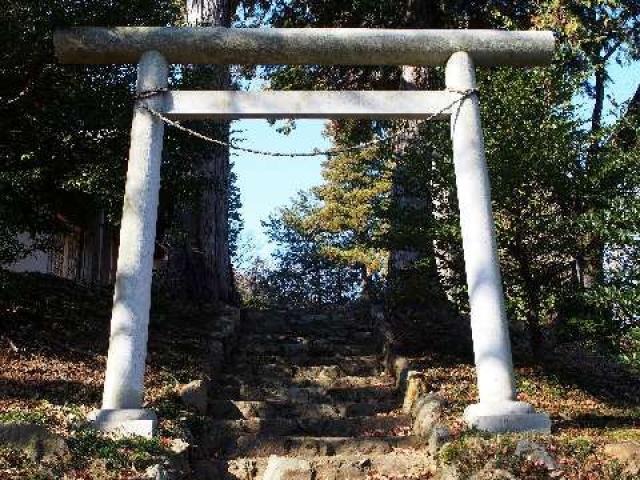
(320, 324)
(311, 447)
(299, 394)
(345, 389)
(273, 365)
(290, 317)
(308, 347)
(308, 388)
(342, 333)
(331, 336)
(363, 394)
(219, 433)
(306, 379)
(351, 365)
(413, 465)
(324, 374)
(237, 410)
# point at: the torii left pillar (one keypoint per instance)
(122, 410)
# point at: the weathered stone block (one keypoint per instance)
(416, 387)
(35, 441)
(400, 372)
(535, 453)
(215, 356)
(427, 415)
(439, 436)
(194, 395)
(493, 474)
(627, 453)
(283, 468)
(156, 472)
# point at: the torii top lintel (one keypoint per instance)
(298, 46)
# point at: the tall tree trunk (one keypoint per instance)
(593, 258)
(591, 261)
(417, 305)
(202, 270)
(598, 107)
(366, 282)
(406, 197)
(532, 293)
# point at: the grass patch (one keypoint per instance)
(577, 458)
(53, 351)
(134, 453)
(92, 456)
(24, 416)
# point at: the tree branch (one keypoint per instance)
(35, 73)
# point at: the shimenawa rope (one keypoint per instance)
(316, 153)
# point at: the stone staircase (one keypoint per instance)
(304, 397)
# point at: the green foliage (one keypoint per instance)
(22, 416)
(352, 200)
(630, 347)
(472, 452)
(91, 453)
(131, 452)
(303, 275)
(12, 458)
(64, 130)
(565, 191)
(565, 196)
(605, 179)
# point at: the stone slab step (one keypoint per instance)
(305, 380)
(323, 374)
(303, 394)
(237, 410)
(343, 330)
(352, 366)
(363, 394)
(332, 375)
(315, 347)
(399, 466)
(292, 318)
(311, 447)
(320, 324)
(331, 336)
(316, 325)
(219, 433)
(361, 365)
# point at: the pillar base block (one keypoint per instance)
(125, 422)
(507, 416)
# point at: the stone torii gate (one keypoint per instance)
(461, 50)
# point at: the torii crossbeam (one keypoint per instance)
(461, 50)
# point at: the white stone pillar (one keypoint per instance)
(124, 382)
(497, 410)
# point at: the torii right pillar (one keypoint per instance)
(498, 410)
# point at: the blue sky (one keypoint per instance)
(268, 183)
